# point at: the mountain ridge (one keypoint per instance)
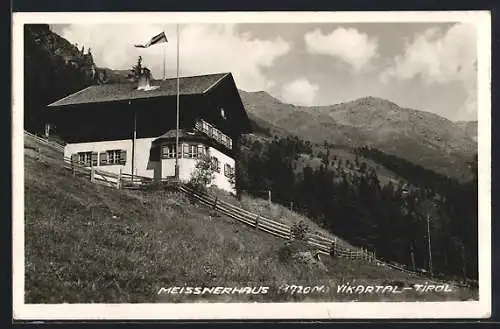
(419, 136)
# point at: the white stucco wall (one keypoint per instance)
(220, 180)
(187, 166)
(143, 167)
(154, 169)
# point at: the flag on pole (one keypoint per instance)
(160, 38)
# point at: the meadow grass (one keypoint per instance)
(86, 243)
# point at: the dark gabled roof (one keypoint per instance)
(125, 91)
(171, 134)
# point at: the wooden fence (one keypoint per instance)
(44, 141)
(321, 243)
(110, 179)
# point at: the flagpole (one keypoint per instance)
(164, 55)
(177, 115)
(133, 145)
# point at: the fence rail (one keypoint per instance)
(44, 141)
(322, 244)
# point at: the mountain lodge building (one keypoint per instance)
(99, 122)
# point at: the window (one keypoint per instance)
(85, 158)
(113, 156)
(215, 164)
(190, 151)
(201, 150)
(168, 151)
(193, 151)
(228, 170)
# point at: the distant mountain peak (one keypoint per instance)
(375, 101)
(256, 93)
(422, 137)
(259, 97)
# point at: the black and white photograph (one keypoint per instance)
(251, 165)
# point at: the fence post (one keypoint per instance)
(290, 234)
(73, 167)
(39, 157)
(334, 247)
(119, 181)
(92, 174)
(215, 203)
(269, 198)
(256, 221)
(333, 250)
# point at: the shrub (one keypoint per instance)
(299, 230)
(203, 175)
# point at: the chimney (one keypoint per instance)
(144, 80)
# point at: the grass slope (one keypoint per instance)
(90, 243)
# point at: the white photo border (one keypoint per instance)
(240, 311)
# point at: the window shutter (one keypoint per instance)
(213, 163)
(123, 156)
(74, 158)
(103, 158)
(94, 158)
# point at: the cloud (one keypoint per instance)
(439, 57)
(299, 92)
(203, 48)
(349, 45)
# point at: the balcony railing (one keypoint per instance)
(214, 133)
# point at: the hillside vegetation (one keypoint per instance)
(90, 243)
(368, 206)
(55, 68)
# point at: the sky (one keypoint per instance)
(425, 66)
